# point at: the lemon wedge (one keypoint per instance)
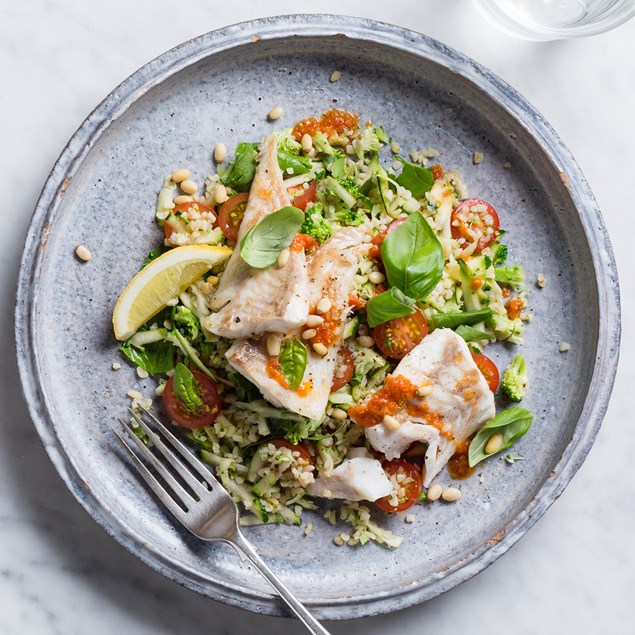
(159, 282)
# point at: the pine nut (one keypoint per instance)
(183, 198)
(180, 175)
(391, 423)
(309, 334)
(451, 494)
(314, 320)
(424, 391)
(220, 152)
(323, 306)
(339, 414)
(220, 194)
(116, 366)
(494, 444)
(284, 256)
(320, 349)
(275, 113)
(273, 345)
(306, 142)
(213, 280)
(395, 148)
(189, 187)
(377, 277)
(434, 493)
(82, 253)
(335, 76)
(206, 288)
(365, 341)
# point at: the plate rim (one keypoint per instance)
(314, 25)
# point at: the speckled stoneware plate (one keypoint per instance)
(219, 87)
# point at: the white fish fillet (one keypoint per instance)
(253, 301)
(331, 272)
(355, 479)
(459, 395)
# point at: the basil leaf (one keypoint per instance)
(388, 305)
(470, 334)
(293, 358)
(299, 165)
(415, 178)
(154, 358)
(243, 169)
(262, 244)
(511, 423)
(413, 257)
(452, 320)
(185, 387)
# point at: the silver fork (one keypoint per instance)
(210, 514)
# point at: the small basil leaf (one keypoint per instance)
(154, 358)
(293, 358)
(452, 320)
(511, 423)
(243, 169)
(413, 257)
(471, 334)
(415, 178)
(388, 305)
(299, 165)
(262, 244)
(185, 387)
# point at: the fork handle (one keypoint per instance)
(241, 544)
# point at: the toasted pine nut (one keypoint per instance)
(425, 390)
(391, 423)
(434, 493)
(183, 198)
(377, 277)
(275, 113)
(309, 334)
(306, 142)
(339, 414)
(335, 76)
(320, 349)
(273, 345)
(365, 341)
(206, 288)
(180, 175)
(220, 194)
(395, 148)
(213, 280)
(189, 187)
(323, 306)
(82, 253)
(283, 257)
(220, 152)
(451, 494)
(494, 444)
(116, 366)
(314, 320)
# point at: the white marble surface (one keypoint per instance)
(59, 572)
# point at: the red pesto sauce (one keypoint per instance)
(332, 122)
(273, 370)
(329, 330)
(398, 393)
(458, 467)
(303, 242)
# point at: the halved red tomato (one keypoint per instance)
(173, 224)
(231, 215)
(489, 370)
(344, 369)
(475, 220)
(397, 337)
(304, 196)
(409, 488)
(306, 457)
(204, 415)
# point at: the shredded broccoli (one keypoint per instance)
(513, 275)
(514, 382)
(321, 144)
(286, 142)
(367, 363)
(367, 142)
(500, 255)
(315, 224)
(187, 323)
(506, 329)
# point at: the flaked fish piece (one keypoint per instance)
(332, 269)
(454, 401)
(252, 301)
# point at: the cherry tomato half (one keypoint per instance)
(174, 224)
(344, 369)
(304, 196)
(411, 485)
(397, 337)
(488, 369)
(231, 215)
(305, 457)
(475, 220)
(204, 415)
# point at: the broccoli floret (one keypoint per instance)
(286, 142)
(321, 144)
(187, 323)
(344, 189)
(506, 329)
(315, 224)
(350, 217)
(514, 382)
(500, 255)
(367, 142)
(513, 275)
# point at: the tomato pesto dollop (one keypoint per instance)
(275, 372)
(332, 122)
(303, 242)
(328, 332)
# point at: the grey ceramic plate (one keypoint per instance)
(219, 87)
